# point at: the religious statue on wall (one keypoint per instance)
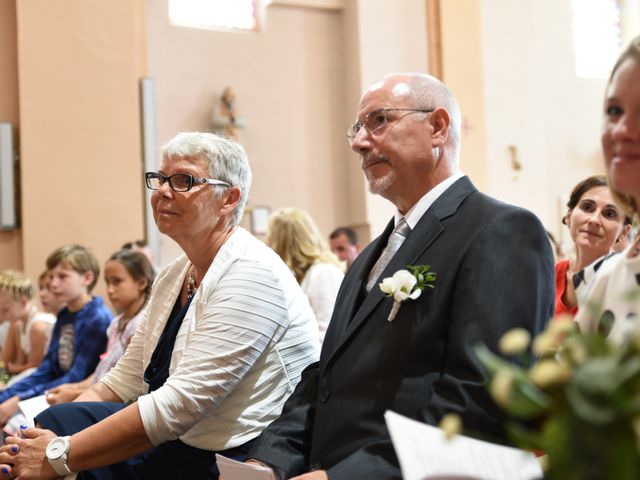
(224, 117)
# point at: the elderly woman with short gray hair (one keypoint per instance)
(224, 340)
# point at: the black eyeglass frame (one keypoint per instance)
(191, 181)
(353, 130)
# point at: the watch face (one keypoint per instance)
(56, 448)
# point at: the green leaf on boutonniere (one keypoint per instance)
(424, 276)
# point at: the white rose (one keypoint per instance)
(387, 286)
(400, 285)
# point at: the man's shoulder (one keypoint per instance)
(462, 197)
(483, 216)
(485, 205)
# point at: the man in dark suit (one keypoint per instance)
(494, 272)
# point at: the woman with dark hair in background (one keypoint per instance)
(595, 224)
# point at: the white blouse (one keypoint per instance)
(246, 337)
(321, 284)
(34, 317)
(612, 292)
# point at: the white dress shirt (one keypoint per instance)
(415, 213)
(613, 289)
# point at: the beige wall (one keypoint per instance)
(462, 71)
(288, 80)
(79, 64)
(536, 103)
(10, 241)
(353, 210)
(393, 38)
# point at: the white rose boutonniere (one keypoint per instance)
(406, 285)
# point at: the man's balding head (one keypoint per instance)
(407, 135)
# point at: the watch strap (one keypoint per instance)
(60, 464)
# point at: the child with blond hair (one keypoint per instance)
(30, 330)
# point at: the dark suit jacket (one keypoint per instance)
(494, 272)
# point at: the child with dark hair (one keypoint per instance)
(595, 225)
(79, 333)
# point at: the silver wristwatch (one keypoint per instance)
(57, 455)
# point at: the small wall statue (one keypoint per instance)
(224, 117)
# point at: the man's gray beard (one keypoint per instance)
(379, 185)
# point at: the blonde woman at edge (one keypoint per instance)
(612, 299)
(295, 237)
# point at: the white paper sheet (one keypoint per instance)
(32, 407)
(233, 470)
(425, 453)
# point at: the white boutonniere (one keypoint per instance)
(406, 285)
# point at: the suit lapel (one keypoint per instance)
(358, 275)
(428, 229)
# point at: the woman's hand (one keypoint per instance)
(25, 458)
(67, 392)
(8, 409)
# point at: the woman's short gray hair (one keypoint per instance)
(226, 160)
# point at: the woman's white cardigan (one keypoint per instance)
(247, 335)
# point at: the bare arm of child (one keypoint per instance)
(37, 339)
(9, 352)
(68, 392)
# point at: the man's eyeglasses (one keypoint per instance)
(377, 119)
(179, 182)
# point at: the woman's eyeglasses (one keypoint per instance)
(179, 182)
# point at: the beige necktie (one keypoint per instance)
(396, 239)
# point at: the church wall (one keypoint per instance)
(536, 104)
(288, 80)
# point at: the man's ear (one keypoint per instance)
(440, 121)
(231, 199)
